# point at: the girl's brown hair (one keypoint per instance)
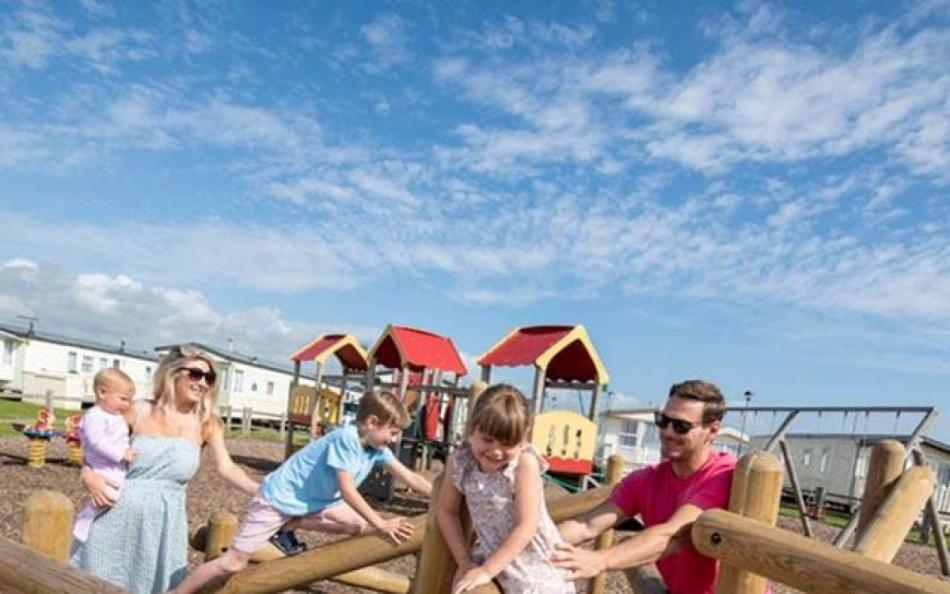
(501, 413)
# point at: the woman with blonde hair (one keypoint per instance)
(141, 544)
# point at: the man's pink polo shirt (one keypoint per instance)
(655, 493)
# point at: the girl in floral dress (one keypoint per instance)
(499, 475)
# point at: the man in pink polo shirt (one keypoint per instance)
(668, 497)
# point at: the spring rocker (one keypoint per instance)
(38, 434)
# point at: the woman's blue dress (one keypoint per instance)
(142, 543)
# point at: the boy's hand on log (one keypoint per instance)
(398, 529)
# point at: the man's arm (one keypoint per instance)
(415, 481)
(591, 524)
(653, 543)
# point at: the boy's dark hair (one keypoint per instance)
(714, 405)
(385, 406)
(500, 412)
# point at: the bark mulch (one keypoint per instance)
(208, 493)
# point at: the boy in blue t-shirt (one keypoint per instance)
(316, 489)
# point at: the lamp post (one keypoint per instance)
(743, 437)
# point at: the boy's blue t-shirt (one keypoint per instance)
(306, 483)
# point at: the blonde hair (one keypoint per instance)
(111, 377)
(501, 413)
(385, 406)
(176, 360)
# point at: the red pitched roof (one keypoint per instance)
(349, 357)
(525, 345)
(575, 361)
(419, 349)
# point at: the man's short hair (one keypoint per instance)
(385, 406)
(714, 405)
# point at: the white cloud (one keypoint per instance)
(113, 308)
(388, 39)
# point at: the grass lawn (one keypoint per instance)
(840, 521)
(25, 412)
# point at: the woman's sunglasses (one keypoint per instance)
(195, 374)
(679, 425)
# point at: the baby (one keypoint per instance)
(104, 435)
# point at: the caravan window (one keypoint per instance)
(806, 458)
(72, 362)
(629, 437)
(8, 352)
(823, 464)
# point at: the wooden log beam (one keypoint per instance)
(885, 467)
(755, 494)
(436, 567)
(885, 531)
(29, 572)
(800, 562)
(359, 551)
(371, 578)
(48, 524)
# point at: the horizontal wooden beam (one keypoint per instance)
(25, 570)
(370, 549)
(800, 562)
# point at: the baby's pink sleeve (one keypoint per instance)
(95, 435)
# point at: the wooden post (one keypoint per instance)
(538, 392)
(23, 570)
(283, 424)
(885, 467)
(221, 529)
(48, 524)
(885, 531)
(474, 391)
(756, 494)
(803, 563)
(486, 373)
(436, 566)
(594, 397)
(315, 404)
(404, 383)
(606, 538)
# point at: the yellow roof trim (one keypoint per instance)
(577, 333)
(346, 340)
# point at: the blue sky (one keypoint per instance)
(752, 193)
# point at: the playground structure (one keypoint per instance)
(418, 360)
(318, 407)
(744, 538)
(564, 357)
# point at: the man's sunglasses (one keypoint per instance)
(195, 374)
(679, 425)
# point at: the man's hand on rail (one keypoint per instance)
(579, 563)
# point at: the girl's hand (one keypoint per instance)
(471, 579)
(98, 487)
